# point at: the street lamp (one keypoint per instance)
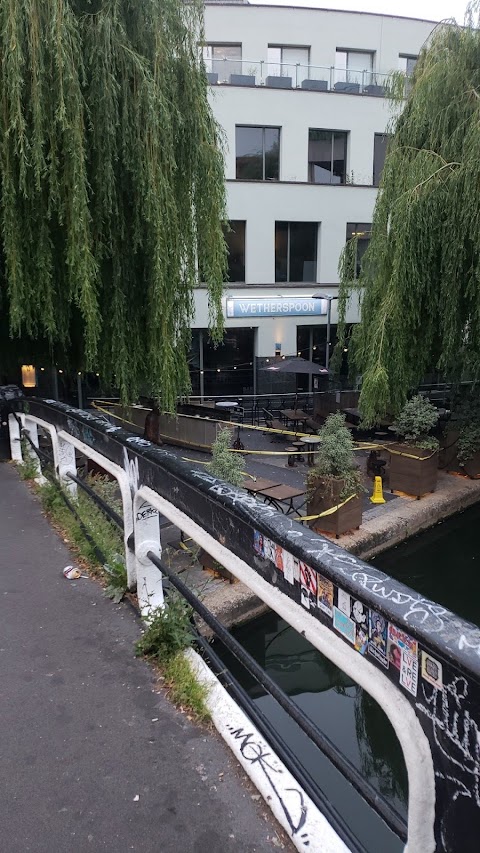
(329, 299)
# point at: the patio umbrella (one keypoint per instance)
(297, 365)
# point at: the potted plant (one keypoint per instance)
(414, 461)
(468, 448)
(335, 481)
(461, 445)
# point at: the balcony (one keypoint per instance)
(317, 78)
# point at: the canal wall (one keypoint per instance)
(406, 517)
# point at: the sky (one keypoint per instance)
(430, 10)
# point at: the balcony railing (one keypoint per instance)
(244, 72)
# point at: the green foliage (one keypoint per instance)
(106, 536)
(167, 636)
(113, 196)
(185, 691)
(420, 276)
(466, 419)
(169, 630)
(335, 459)
(225, 464)
(417, 418)
(27, 469)
(117, 578)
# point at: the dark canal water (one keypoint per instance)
(444, 565)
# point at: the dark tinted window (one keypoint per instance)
(327, 156)
(379, 151)
(360, 230)
(235, 240)
(296, 251)
(257, 153)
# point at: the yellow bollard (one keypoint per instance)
(377, 497)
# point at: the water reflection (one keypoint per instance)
(342, 710)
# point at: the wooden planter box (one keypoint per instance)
(416, 476)
(327, 495)
(472, 467)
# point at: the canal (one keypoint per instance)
(442, 564)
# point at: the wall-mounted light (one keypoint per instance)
(42, 369)
(234, 368)
(29, 376)
(60, 371)
(278, 349)
(97, 374)
(218, 370)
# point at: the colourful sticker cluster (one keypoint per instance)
(368, 631)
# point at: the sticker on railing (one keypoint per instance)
(325, 595)
(377, 638)
(366, 629)
(432, 671)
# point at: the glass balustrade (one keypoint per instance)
(279, 75)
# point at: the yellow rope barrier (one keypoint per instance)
(327, 511)
(360, 446)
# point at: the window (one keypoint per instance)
(327, 156)
(296, 251)
(284, 62)
(257, 153)
(362, 231)
(223, 59)
(235, 240)
(354, 66)
(380, 143)
(407, 64)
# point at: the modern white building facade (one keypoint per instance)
(300, 95)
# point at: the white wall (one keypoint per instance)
(261, 204)
(323, 31)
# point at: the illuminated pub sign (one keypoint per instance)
(275, 306)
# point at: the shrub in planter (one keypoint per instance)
(414, 462)
(335, 481)
(468, 448)
(229, 467)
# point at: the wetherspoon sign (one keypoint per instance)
(275, 306)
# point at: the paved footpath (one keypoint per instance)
(83, 732)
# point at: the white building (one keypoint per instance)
(300, 95)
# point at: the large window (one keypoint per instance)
(362, 231)
(379, 151)
(235, 240)
(289, 62)
(257, 153)
(407, 64)
(327, 156)
(354, 66)
(223, 59)
(296, 251)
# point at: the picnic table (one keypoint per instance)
(282, 495)
(296, 416)
(274, 493)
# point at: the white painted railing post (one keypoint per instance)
(66, 464)
(147, 538)
(15, 437)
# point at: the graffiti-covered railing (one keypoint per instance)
(418, 660)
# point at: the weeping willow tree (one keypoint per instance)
(420, 278)
(112, 191)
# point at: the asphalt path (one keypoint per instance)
(93, 756)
